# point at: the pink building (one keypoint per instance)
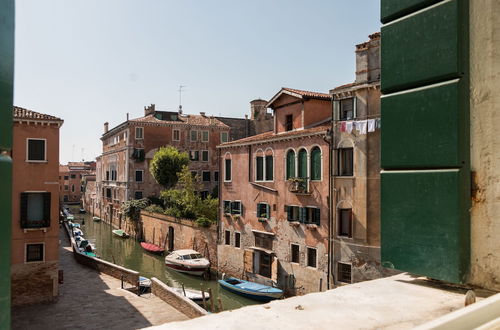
(274, 197)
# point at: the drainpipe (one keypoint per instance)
(6, 91)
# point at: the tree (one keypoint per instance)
(166, 163)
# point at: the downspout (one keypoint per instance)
(219, 195)
(7, 78)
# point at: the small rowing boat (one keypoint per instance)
(152, 248)
(96, 219)
(251, 290)
(194, 295)
(120, 233)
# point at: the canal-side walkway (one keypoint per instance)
(90, 300)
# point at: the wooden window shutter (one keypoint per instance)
(268, 211)
(317, 214)
(336, 109)
(302, 214)
(24, 209)
(248, 261)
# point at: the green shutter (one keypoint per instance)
(268, 211)
(290, 164)
(302, 214)
(316, 164)
(288, 211)
(303, 163)
(269, 168)
(260, 169)
(317, 216)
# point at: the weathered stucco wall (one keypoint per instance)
(485, 142)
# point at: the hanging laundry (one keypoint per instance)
(342, 126)
(361, 126)
(378, 123)
(349, 126)
(371, 125)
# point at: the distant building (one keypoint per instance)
(35, 207)
(70, 180)
(122, 170)
(274, 196)
(89, 194)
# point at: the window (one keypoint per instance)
(290, 164)
(216, 176)
(139, 133)
(345, 222)
(237, 239)
(263, 241)
(263, 210)
(65, 198)
(108, 193)
(344, 272)
(66, 187)
(34, 252)
(292, 212)
(206, 176)
(345, 162)
(66, 177)
(35, 210)
(227, 239)
(73, 176)
(227, 168)
(347, 109)
(265, 264)
(112, 171)
(260, 168)
(36, 150)
(289, 122)
(312, 215)
(311, 257)
(194, 136)
(269, 168)
(227, 207)
(138, 175)
(303, 163)
(138, 195)
(309, 215)
(72, 188)
(204, 194)
(295, 253)
(223, 137)
(204, 155)
(204, 136)
(176, 135)
(316, 163)
(194, 155)
(107, 175)
(236, 207)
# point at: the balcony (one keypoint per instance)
(298, 185)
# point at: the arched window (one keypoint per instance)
(227, 167)
(290, 164)
(264, 165)
(316, 163)
(302, 163)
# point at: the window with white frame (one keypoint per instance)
(194, 136)
(35, 209)
(35, 252)
(236, 207)
(264, 166)
(227, 238)
(204, 155)
(176, 135)
(139, 175)
(194, 155)
(36, 150)
(347, 108)
(139, 133)
(205, 176)
(237, 239)
(227, 169)
(224, 137)
(263, 210)
(345, 222)
(227, 207)
(311, 257)
(204, 136)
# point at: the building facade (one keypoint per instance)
(35, 207)
(70, 180)
(356, 170)
(122, 171)
(274, 218)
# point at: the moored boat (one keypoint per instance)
(187, 261)
(152, 248)
(82, 211)
(251, 290)
(120, 233)
(97, 219)
(194, 295)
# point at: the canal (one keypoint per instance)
(129, 253)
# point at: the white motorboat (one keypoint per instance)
(187, 261)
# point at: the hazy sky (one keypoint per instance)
(91, 61)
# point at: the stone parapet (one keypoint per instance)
(171, 297)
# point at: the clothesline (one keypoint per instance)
(362, 126)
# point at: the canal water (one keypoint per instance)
(129, 253)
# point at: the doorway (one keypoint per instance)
(170, 238)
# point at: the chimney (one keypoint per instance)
(106, 127)
(149, 110)
(258, 109)
(127, 116)
(202, 113)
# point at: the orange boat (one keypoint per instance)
(152, 248)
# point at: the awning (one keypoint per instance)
(261, 249)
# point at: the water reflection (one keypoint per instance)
(129, 253)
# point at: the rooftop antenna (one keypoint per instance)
(180, 98)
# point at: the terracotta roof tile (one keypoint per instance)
(22, 113)
(271, 135)
(315, 95)
(346, 86)
(183, 119)
(63, 168)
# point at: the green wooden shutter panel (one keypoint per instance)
(269, 168)
(317, 216)
(260, 169)
(316, 164)
(290, 164)
(302, 163)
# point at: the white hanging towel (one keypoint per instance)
(371, 125)
(349, 126)
(361, 126)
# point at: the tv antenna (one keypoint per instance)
(180, 97)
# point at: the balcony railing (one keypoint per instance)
(298, 185)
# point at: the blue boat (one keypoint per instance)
(251, 290)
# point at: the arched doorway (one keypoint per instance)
(170, 238)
